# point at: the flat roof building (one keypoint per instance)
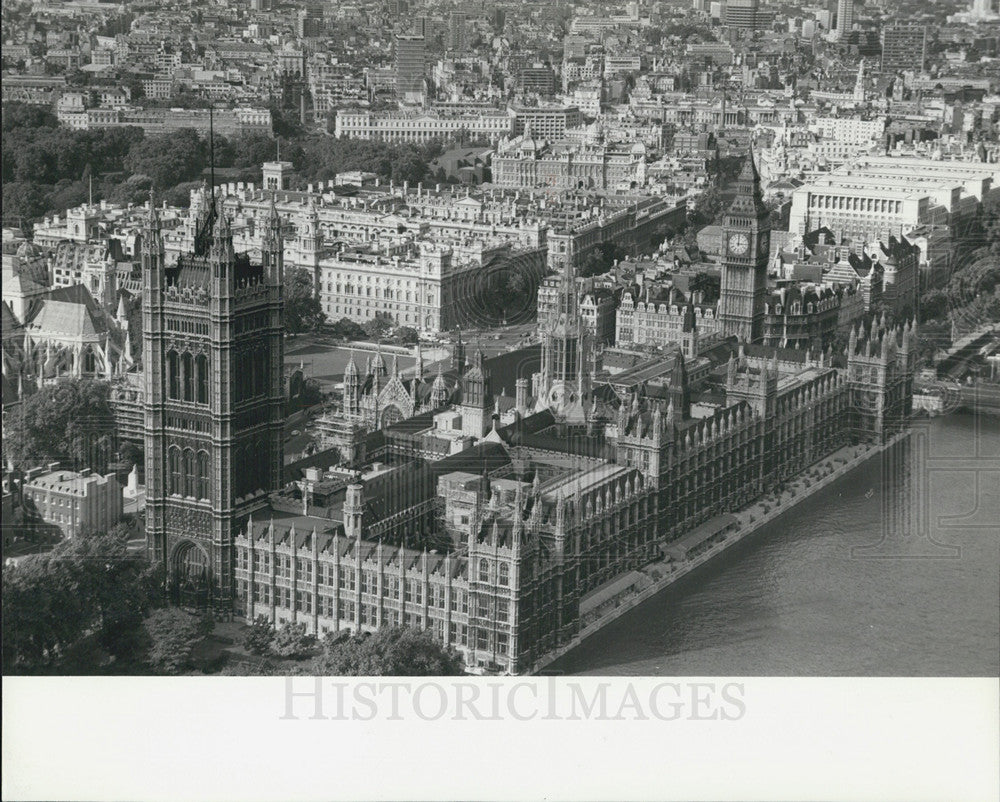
(77, 502)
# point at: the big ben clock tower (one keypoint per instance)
(746, 245)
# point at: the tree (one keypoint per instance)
(253, 150)
(933, 305)
(707, 207)
(90, 584)
(392, 651)
(312, 393)
(348, 329)
(260, 636)
(23, 199)
(376, 328)
(68, 422)
(293, 642)
(169, 158)
(405, 335)
(24, 115)
(602, 259)
(173, 634)
(303, 311)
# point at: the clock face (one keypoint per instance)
(739, 244)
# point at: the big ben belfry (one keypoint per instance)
(745, 252)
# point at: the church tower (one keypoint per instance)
(564, 382)
(746, 249)
(214, 402)
(476, 398)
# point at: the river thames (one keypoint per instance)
(893, 570)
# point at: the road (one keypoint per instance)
(499, 340)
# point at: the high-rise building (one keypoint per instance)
(745, 14)
(983, 9)
(422, 26)
(457, 38)
(746, 249)
(845, 19)
(411, 55)
(904, 47)
(213, 328)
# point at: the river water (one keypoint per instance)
(893, 570)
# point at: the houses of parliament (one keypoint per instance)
(499, 547)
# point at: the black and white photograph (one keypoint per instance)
(590, 393)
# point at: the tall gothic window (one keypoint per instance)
(173, 375)
(260, 371)
(189, 472)
(263, 472)
(247, 374)
(174, 459)
(201, 370)
(504, 574)
(187, 375)
(240, 472)
(484, 571)
(203, 471)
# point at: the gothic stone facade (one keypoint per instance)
(213, 346)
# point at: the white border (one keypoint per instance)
(224, 739)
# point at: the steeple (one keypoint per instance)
(152, 251)
(458, 355)
(749, 200)
(121, 316)
(439, 390)
(378, 368)
(418, 366)
(679, 393)
(222, 239)
(273, 247)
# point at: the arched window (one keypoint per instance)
(239, 376)
(263, 462)
(248, 377)
(189, 472)
(203, 471)
(173, 375)
(504, 574)
(239, 472)
(260, 371)
(187, 375)
(201, 372)
(174, 458)
(484, 571)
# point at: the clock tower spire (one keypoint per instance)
(746, 248)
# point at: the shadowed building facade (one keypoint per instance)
(746, 248)
(213, 400)
(507, 549)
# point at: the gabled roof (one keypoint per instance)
(11, 326)
(69, 312)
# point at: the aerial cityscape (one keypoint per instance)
(442, 337)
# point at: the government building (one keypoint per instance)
(497, 522)
(502, 545)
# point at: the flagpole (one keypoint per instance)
(211, 148)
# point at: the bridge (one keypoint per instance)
(954, 364)
(980, 397)
(942, 397)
